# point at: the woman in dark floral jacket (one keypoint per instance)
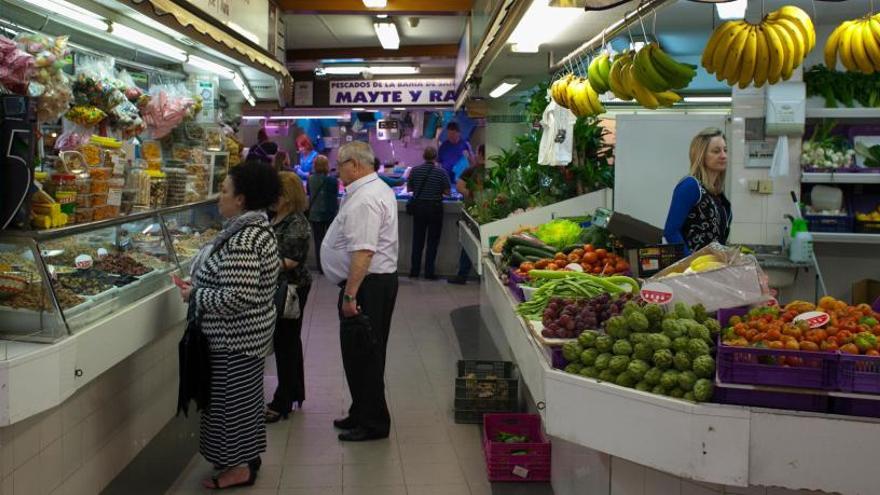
(293, 232)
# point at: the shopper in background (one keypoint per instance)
(307, 155)
(292, 232)
(453, 150)
(323, 202)
(360, 255)
(700, 213)
(234, 280)
(390, 181)
(264, 150)
(469, 184)
(281, 162)
(428, 183)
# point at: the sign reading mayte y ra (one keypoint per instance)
(398, 92)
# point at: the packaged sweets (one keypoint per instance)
(83, 201)
(49, 84)
(83, 184)
(158, 189)
(152, 151)
(92, 154)
(105, 212)
(84, 215)
(99, 200)
(100, 173)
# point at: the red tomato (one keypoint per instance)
(591, 257)
(601, 253)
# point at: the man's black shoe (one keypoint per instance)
(361, 435)
(457, 280)
(346, 423)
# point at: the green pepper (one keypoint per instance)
(868, 320)
(865, 341)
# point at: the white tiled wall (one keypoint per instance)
(758, 218)
(578, 470)
(81, 445)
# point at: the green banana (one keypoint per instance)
(646, 74)
(598, 78)
(678, 74)
(616, 81)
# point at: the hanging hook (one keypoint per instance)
(815, 16)
(654, 25)
(763, 9)
(644, 31)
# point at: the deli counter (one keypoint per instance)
(75, 301)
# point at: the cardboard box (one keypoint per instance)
(866, 291)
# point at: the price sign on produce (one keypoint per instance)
(83, 262)
(815, 319)
(656, 293)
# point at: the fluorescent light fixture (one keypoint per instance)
(309, 117)
(243, 87)
(541, 24)
(385, 70)
(72, 12)
(400, 108)
(732, 10)
(382, 16)
(252, 117)
(158, 26)
(707, 99)
(341, 60)
(358, 109)
(209, 66)
(506, 85)
(143, 41)
(387, 33)
(244, 32)
(375, 4)
(342, 70)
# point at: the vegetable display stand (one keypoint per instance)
(780, 367)
(485, 387)
(855, 407)
(509, 458)
(513, 281)
(771, 399)
(859, 374)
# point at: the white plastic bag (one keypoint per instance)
(291, 304)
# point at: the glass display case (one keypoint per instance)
(57, 282)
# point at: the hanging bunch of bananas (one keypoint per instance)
(743, 53)
(857, 44)
(576, 94)
(598, 72)
(629, 78)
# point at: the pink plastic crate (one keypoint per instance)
(859, 374)
(527, 461)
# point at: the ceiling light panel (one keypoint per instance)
(375, 4)
(387, 34)
(146, 42)
(72, 12)
(532, 30)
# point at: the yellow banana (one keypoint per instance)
(832, 45)
(846, 48)
(734, 60)
(797, 39)
(777, 54)
(762, 58)
(875, 26)
(667, 98)
(722, 49)
(860, 55)
(642, 94)
(749, 58)
(593, 97)
(616, 80)
(586, 102)
(712, 44)
(787, 48)
(801, 20)
(872, 45)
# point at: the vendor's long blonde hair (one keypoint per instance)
(699, 150)
(293, 196)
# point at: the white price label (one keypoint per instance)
(118, 166)
(656, 293)
(815, 319)
(114, 197)
(53, 274)
(83, 262)
(102, 253)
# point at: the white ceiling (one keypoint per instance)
(346, 31)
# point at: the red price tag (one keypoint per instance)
(772, 302)
(815, 319)
(656, 293)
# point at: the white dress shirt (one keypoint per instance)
(367, 220)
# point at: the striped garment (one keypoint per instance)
(232, 430)
(235, 292)
(428, 182)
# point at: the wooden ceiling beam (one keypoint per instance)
(371, 52)
(395, 7)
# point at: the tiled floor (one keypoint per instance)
(426, 453)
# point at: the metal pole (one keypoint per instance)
(611, 31)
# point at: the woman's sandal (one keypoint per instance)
(215, 481)
(273, 416)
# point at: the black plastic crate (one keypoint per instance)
(652, 259)
(829, 223)
(485, 386)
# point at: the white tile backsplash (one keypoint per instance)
(749, 207)
(747, 233)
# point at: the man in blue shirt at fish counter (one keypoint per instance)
(452, 150)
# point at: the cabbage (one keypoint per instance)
(559, 233)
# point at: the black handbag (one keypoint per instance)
(195, 366)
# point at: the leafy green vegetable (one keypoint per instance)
(559, 233)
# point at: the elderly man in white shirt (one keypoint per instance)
(359, 253)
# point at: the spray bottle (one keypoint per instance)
(801, 249)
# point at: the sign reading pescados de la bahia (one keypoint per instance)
(398, 92)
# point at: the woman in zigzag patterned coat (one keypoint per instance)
(233, 289)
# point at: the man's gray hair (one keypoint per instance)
(356, 150)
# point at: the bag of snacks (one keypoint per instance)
(49, 83)
(85, 115)
(16, 67)
(166, 108)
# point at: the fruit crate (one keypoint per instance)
(866, 203)
(855, 407)
(779, 367)
(526, 461)
(513, 281)
(770, 399)
(485, 387)
(829, 223)
(859, 374)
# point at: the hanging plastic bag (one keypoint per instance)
(17, 67)
(72, 136)
(780, 165)
(96, 85)
(129, 88)
(166, 108)
(49, 84)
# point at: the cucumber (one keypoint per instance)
(531, 251)
(516, 259)
(528, 241)
(572, 247)
(534, 258)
